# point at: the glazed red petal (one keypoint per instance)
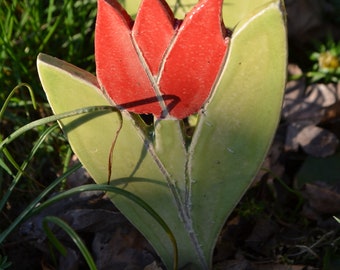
(153, 31)
(194, 61)
(119, 69)
(145, 66)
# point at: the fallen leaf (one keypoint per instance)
(303, 109)
(316, 141)
(322, 198)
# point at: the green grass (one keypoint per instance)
(63, 29)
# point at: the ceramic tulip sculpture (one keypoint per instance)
(232, 80)
(148, 65)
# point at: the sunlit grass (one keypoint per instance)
(63, 29)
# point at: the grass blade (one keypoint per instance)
(127, 194)
(53, 118)
(74, 236)
(24, 214)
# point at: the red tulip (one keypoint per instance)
(157, 64)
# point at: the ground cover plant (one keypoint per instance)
(261, 208)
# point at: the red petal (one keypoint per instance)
(153, 31)
(192, 65)
(119, 69)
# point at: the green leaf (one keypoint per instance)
(316, 169)
(135, 166)
(170, 149)
(234, 11)
(233, 136)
